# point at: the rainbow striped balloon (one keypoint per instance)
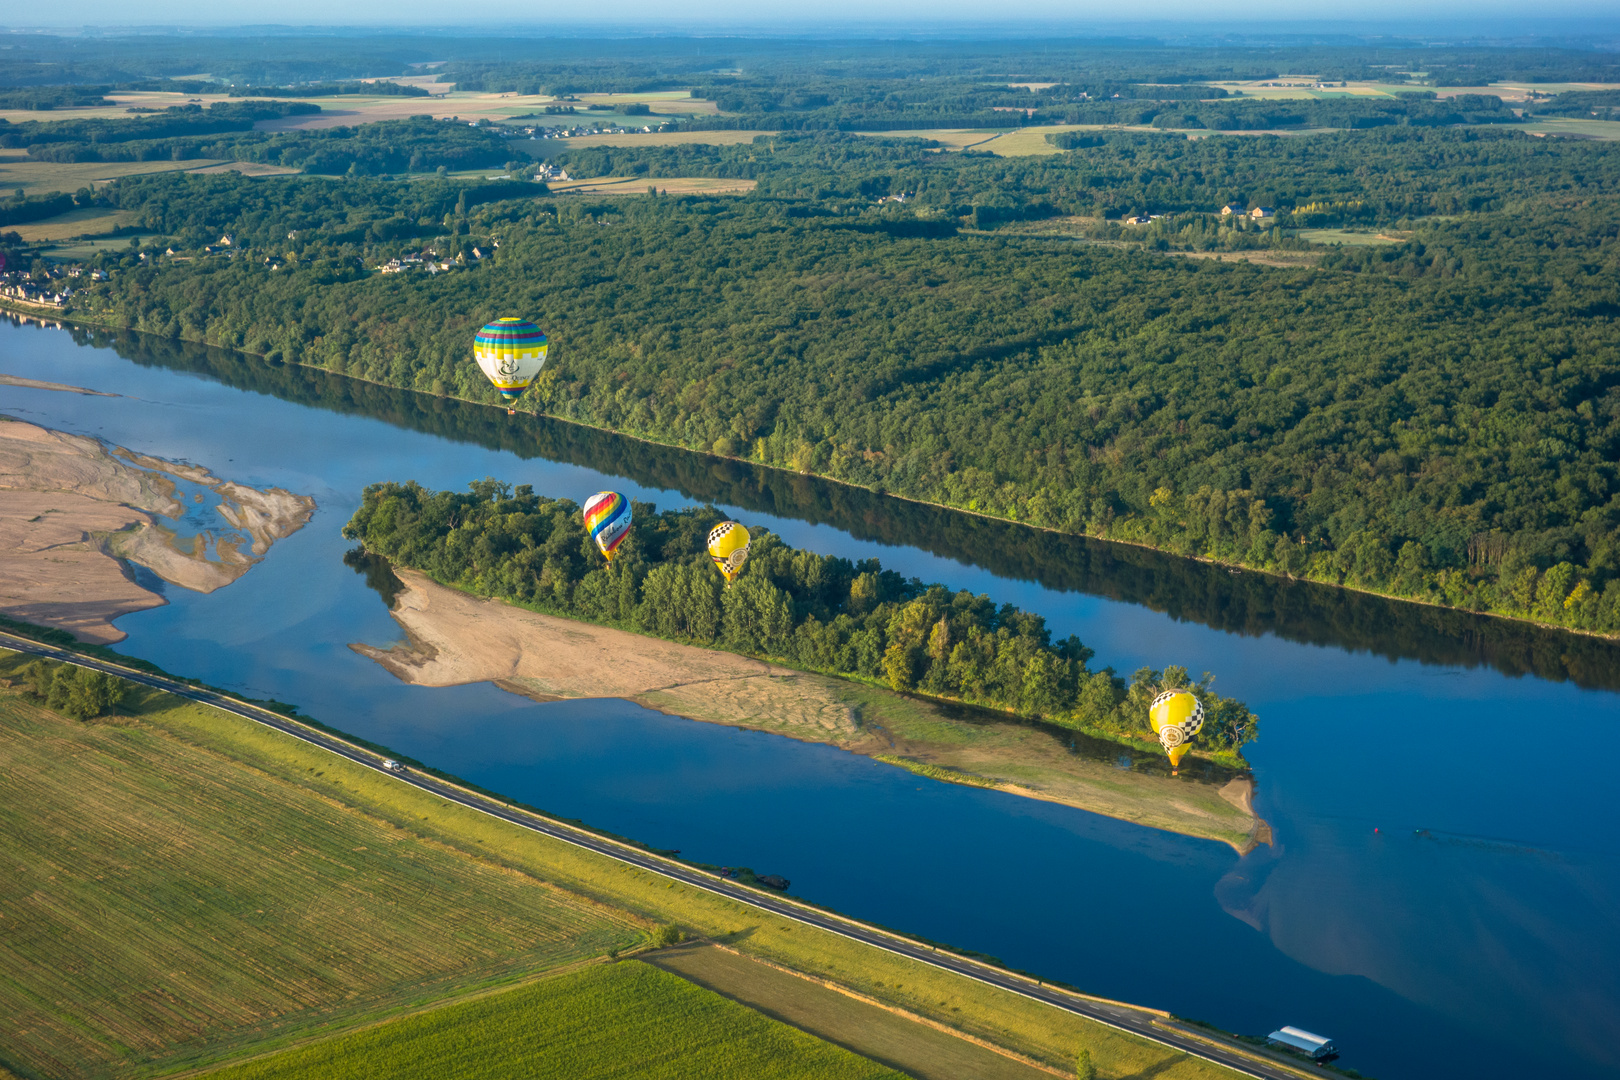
(607, 519)
(511, 353)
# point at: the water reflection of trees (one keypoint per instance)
(1246, 603)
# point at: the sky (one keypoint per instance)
(1460, 17)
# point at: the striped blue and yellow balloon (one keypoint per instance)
(511, 353)
(607, 519)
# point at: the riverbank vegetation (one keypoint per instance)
(153, 854)
(816, 612)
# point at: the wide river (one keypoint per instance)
(1443, 894)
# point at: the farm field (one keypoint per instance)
(167, 907)
(916, 1049)
(638, 185)
(362, 109)
(1606, 130)
(606, 1020)
(1349, 237)
(651, 138)
(314, 786)
(73, 224)
(44, 177)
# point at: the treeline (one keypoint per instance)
(21, 209)
(71, 690)
(1380, 177)
(416, 145)
(177, 121)
(380, 88)
(816, 612)
(1582, 104)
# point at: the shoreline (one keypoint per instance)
(452, 637)
(62, 320)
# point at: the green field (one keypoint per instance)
(166, 906)
(44, 177)
(209, 971)
(625, 1019)
(920, 1051)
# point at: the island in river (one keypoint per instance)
(453, 638)
(74, 513)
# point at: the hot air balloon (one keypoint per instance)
(511, 353)
(728, 547)
(607, 519)
(1176, 715)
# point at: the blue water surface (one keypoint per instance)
(1443, 896)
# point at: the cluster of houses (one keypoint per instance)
(424, 260)
(1259, 213)
(46, 288)
(569, 132)
(39, 295)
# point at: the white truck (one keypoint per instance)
(393, 766)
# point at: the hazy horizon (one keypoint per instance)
(1565, 23)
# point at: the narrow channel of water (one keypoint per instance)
(1481, 913)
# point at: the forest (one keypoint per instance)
(811, 611)
(1428, 410)
(1433, 419)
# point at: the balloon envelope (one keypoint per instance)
(607, 519)
(511, 353)
(728, 547)
(1176, 716)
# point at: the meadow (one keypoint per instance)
(604, 1020)
(44, 177)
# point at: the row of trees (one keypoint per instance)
(72, 690)
(817, 612)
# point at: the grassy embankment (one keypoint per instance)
(208, 867)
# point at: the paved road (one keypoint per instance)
(1123, 1017)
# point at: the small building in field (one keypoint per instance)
(1139, 219)
(1262, 212)
(1232, 208)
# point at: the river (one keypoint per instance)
(1443, 894)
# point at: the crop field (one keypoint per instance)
(165, 906)
(605, 1020)
(916, 1049)
(1607, 130)
(638, 185)
(652, 138)
(90, 220)
(42, 177)
(1348, 237)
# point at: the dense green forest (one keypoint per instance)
(1435, 418)
(812, 611)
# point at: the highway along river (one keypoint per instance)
(1442, 896)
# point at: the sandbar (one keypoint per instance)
(75, 513)
(452, 638)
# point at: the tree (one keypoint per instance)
(1084, 1069)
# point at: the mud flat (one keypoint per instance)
(74, 512)
(453, 638)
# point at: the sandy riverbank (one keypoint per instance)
(454, 638)
(72, 511)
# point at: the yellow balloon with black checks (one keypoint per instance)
(1176, 716)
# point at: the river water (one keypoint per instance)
(1443, 894)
